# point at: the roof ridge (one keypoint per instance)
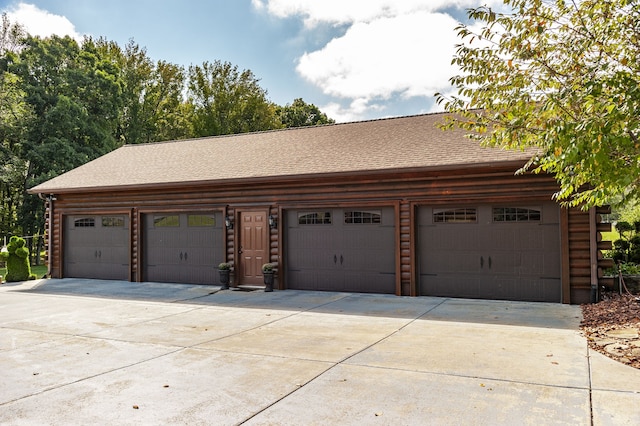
(301, 128)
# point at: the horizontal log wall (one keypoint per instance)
(580, 252)
(404, 190)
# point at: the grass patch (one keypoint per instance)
(610, 236)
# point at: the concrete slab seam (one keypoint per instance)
(466, 376)
(428, 311)
(62, 385)
(590, 378)
(196, 297)
(334, 365)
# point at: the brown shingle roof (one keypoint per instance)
(413, 142)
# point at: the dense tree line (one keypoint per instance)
(64, 103)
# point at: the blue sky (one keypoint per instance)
(355, 59)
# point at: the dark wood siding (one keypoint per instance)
(404, 189)
(579, 226)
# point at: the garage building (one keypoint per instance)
(394, 206)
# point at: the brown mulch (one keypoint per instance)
(612, 327)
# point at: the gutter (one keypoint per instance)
(49, 199)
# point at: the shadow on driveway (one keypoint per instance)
(533, 314)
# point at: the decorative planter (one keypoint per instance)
(268, 280)
(224, 278)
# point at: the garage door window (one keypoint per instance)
(455, 215)
(314, 218)
(515, 214)
(84, 222)
(166, 221)
(113, 221)
(361, 217)
(201, 220)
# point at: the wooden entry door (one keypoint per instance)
(254, 246)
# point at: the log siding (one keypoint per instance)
(405, 191)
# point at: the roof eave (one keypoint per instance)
(501, 166)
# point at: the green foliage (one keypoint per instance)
(629, 269)
(630, 211)
(152, 97)
(267, 267)
(224, 266)
(227, 101)
(624, 269)
(627, 248)
(562, 78)
(17, 258)
(39, 271)
(301, 114)
(14, 114)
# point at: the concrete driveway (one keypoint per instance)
(78, 351)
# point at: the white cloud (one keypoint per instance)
(387, 56)
(390, 49)
(349, 11)
(354, 111)
(41, 23)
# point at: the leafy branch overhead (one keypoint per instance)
(562, 77)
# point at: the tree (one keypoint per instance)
(152, 96)
(74, 93)
(227, 101)
(14, 114)
(562, 77)
(301, 114)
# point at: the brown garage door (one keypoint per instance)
(96, 246)
(183, 247)
(341, 250)
(507, 252)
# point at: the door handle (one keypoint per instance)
(341, 259)
(489, 262)
(185, 255)
(335, 258)
(180, 255)
(481, 262)
(240, 250)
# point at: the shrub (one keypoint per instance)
(17, 258)
(627, 248)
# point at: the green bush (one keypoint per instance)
(17, 257)
(627, 248)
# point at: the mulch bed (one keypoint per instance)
(612, 327)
